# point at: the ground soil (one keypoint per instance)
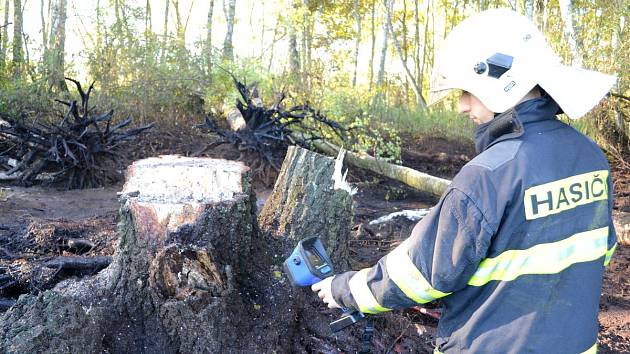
(92, 214)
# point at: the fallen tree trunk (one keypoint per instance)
(418, 180)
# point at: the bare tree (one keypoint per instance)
(414, 84)
(209, 38)
(381, 67)
(416, 39)
(180, 32)
(529, 9)
(566, 11)
(147, 21)
(357, 18)
(273, 41)
(181, 25)
(5, 35)
(372, 46)
(56, 46)
(165, 32)
(307, 39)
(18, 47)
(425, 43)
(294, 55)
(45, 26)
(228, 47)
(539, 13)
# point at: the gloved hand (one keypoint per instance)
(324, 291)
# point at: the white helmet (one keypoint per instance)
(499, 56)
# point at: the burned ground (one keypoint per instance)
(36, 224)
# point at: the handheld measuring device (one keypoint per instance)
(308, 264)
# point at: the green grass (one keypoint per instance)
(433, 122)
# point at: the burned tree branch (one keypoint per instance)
(77, 263)
(267, 132)
(80, 151)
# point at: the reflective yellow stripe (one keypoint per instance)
(568, 193)
(591, 350)
(609, 254)
(546, 258)
(363, 295)
(408, 278)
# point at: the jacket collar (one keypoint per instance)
(511, 124)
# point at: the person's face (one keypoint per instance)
(477, 111)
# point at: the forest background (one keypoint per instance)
(362, 63)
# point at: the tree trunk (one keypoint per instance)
(424, 45)
(310, 198)
(357, 18)
(416, 41)
(307, 40)
(180, 34)
(45, 30)
(273, 42)
(147, 23)
(372, 46)
(381, 67)
(228, 48)
(56, 69)
(566, 12)
(209, 39)
(420, 101)
(18, 50)
(165, 32)
(294, 55)
(176, 282)
(529, 9)
(5, 36)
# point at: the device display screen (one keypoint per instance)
(313, 257)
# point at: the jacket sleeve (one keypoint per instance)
(439, 257)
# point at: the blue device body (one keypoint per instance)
(308, 263)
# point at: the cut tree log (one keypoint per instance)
(415, 179)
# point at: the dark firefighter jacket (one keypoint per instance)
(515, 248)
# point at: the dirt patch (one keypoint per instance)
(19, 203)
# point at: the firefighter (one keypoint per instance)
(517, 245)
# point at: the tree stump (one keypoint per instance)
(173, 287)
(311, 198)
(191, 272)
